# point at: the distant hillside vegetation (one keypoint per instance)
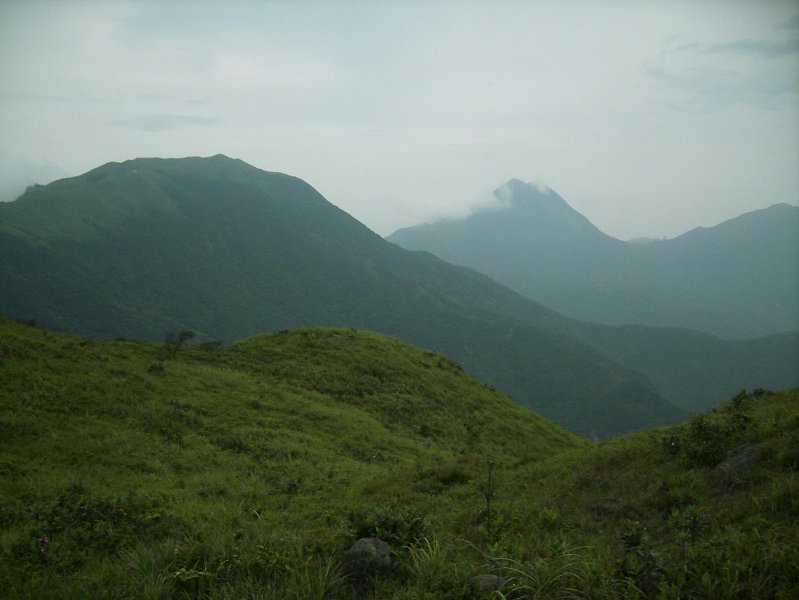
(199, 470)
(738, 279)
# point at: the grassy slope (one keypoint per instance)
(105, 445)
(246, 471)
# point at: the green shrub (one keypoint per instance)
(397, 525)
(79, 526)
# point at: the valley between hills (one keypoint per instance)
(214, 383)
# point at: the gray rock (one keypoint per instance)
(488, 582)
(371, 553)
(741, 459)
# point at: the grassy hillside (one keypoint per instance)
(136, 470)
(217, 246)
(122, 466)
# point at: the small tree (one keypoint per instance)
(174, 340)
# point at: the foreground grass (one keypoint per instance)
(247, 471)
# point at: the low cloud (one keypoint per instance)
(18, 172)
(752, 47)
(164, 122)
(712, 76)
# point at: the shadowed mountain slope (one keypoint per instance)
(693, 369)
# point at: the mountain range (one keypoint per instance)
(738, 279)
(149, 246)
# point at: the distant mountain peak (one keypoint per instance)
(518, 194)
(516, 189)
(519, 185)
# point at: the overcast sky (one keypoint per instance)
(650, 118)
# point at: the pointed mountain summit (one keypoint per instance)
(528, 213)
(542, 205)
(524, 215)
(532, 241)
(713, 279)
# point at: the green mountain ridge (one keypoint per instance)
(738, 279)
(214, 245)
(138, 470)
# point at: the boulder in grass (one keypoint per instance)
(369, 556)
(741, 459)
(488, 582)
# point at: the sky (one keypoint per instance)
(649, 117)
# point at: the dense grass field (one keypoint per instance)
(179, 470)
